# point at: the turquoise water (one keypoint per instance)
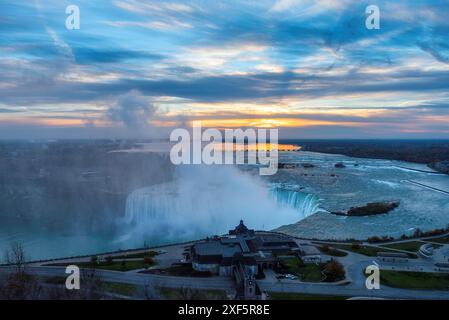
(360, 182)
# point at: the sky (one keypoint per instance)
(139, 68)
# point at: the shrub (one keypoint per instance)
(94, 259)
(147, 261)
(334, 271)
(418, 233)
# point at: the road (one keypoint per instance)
(212, 283)
(356, 287)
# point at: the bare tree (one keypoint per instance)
(185, 293)
(151, 291)
(92, 285)
(19, 285)
(15, 257)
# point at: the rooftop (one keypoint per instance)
(217, 248)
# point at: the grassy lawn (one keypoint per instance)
(180, 270)
(329, 250)
(367, 250)
(114, 265)
(141, 255)
(120, 288)
(414, 280)
(113, 287)
(412, 246)
(305, 272)
(303, 296)
(192, 294)
(440, 240)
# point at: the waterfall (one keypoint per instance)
(208, 201)
(287, 197)
(151, 204)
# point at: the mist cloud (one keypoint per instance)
(132, 109)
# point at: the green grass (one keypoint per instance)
(180, 270)
(150, 254)
(113, 287)
(414, 280)
(444, 239)
(114, 265)
(305, 272)
(332, 251)
(303, 296)
(120, 288)
(192, 294)
(412, 246)
(368, 250)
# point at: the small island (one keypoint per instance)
(370, 209)
(340, 165)
(308, 165)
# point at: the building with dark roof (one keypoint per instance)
(254, 251)
(244, 253)
(241, 229)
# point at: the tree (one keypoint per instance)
(18, 285)
(334, 271)
(15, 257)
(147, 261)
(151, 290)
(93, 286)
(417, 233)
(94, 260)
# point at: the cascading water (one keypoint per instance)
(286, 196)
(150, 204)
(202, 202)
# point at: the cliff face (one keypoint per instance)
(74, 182)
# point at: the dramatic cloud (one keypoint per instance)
(307, 66)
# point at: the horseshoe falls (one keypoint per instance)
(304, 203)
(173, 211)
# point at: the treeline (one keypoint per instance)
(419, 151)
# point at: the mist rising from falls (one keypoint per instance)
(205, 200)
